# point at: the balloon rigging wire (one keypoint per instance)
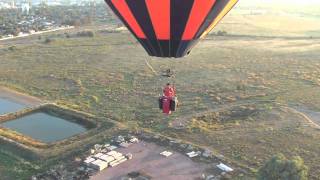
(146, 60)
(150, 66)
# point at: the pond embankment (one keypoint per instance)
(37, 124)
(18, 97)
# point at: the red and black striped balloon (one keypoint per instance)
(170, 28)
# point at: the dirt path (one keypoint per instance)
(310, 116)
(183, 121)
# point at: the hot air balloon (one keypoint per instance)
(170, 28)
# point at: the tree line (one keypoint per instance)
(14, 21)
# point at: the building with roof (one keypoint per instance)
(99, 165)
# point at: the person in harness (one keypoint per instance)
(168, 101)
(169, 91)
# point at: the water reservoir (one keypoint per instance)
(7, 106)
(44, 127)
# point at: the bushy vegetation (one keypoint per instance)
(85, 34)
(12, 48)
(48, 40)
(17, 168)
(222, 33)
(280, 168)
(10, 19)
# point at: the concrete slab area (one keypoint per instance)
(147, 159)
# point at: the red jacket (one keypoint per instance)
(169, 91)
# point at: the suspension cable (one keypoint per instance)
(150, 66)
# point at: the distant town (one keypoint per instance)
(13, 4)
(26, 17)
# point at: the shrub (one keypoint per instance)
(67, 35)
(12, 48)
(280, 168)
(222, 33)
(48, 40)
(85, 34)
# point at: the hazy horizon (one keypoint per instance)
(308, 6)
(280, 2)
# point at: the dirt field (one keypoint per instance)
(19, 97)
(147, 159)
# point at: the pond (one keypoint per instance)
(7, 106)
(44, 127)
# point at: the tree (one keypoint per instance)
(85, 34)
(280, 168)
(47, 40)
(222, 33)
(12, 48)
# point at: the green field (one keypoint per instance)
(14, 166)
(249, 81)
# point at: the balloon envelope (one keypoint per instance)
(170, 28)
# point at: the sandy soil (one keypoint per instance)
(147, 159)
(18, 97)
